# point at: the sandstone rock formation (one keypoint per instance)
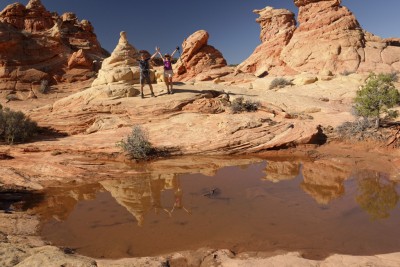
(200, 61)
(121, 66)
(328, 38)
(37, 45)
(277, 27)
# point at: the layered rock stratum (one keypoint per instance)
(121, 66)
(37, 45)
(328, 37)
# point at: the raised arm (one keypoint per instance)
(161, 56)
(172, 54)
(155, 53)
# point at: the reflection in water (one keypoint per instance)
(178, 195)
(243, 209)
(277, 171)
(60, 202)
(324, 181)
(376, 195)
(143, 194)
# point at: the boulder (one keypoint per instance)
(200, 58)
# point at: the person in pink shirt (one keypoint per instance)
(168, 72)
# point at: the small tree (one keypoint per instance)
(15, 126)
(376, 97)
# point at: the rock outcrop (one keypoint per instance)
(328, 38)
(277, 27)
(200, 61)
(37, 45)
(121, 66)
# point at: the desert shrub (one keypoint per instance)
(11, 97)
(44, 87)
(376, 97)
(346, 73)
(279, 83)
(15, 126)
(240, 105)
(137, 144)
(360, 130)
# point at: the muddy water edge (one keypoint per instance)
(244, 204)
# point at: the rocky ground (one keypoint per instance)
(195, 121)
(85, 120)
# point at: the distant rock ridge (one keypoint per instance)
(328, 38)
(37, 45)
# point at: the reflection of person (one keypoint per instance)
(168, 72)
(157, 186)
(178, 196)
(144, 66)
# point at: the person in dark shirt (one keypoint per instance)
(144, 66)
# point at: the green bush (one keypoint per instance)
(279, 83)
(15, 126)
(137, 144)
(240, 105)
(376, 97)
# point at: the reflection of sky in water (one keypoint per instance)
(311, 207)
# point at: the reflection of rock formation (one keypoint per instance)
(277, 171)
(323, 181)
(142, 194)
(58, 203)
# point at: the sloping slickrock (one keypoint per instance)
(328, 38)
(37, 45)
(200, 61)
(171, 126)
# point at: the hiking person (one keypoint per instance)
(168, 72)
(144, 66)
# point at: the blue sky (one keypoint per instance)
(230, 23)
